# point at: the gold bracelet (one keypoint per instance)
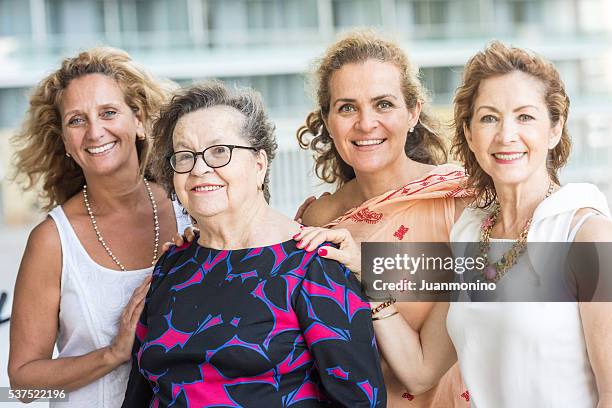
(382, 306)
(385, 316)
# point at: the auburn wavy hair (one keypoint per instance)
(495, 60)
(424, 145)
(40, 155)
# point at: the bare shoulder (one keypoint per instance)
(43, 253)
(329, 207)
(596, 228)
(45, 235)
(321, 211)
(424, 169)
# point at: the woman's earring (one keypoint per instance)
(411, 130)
(68, 155)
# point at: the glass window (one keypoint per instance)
(591, 149)
(70, 18)
(430, 12)
(520, 11)
(14, 103)
(287, 14)
(282, 94)
(595, 76)
(468, 12)
(570, 73)
(437, 18)
(292, 179)
(593, 16)
(161, 15)
(560, 16)
(14, 17)
(441, 82)
(227, 22)
(154, 23)
(349, 13)
(238, 22)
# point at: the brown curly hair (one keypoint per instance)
(498, 59)
(40, 152)
(424, 145)
(257, 129)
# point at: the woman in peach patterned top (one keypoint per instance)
(372, 138)
(421, 211)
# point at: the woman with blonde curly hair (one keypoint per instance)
(373, 136)
(86, 267)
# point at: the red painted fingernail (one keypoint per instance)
(301, 227)
(296, 235)
(322, 252)
(300, 243)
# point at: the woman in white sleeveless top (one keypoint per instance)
(531, 354)
(510, 118)
(85, 270)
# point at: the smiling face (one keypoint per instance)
(510, 132)
(368, 119)
(98, 127)
(205, 191)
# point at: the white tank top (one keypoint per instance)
(526, 354)
(92, 298)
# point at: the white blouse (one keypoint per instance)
(92, 298)
(526, 354)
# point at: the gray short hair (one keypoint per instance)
(257, 129)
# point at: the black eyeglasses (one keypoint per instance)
(214, 156)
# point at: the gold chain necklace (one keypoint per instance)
(99, 235)
(496, 271)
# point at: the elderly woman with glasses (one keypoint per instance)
(241, 316)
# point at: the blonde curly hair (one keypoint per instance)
(424, 145)
(40, 154)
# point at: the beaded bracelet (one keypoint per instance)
(382, 306)
(385, 316)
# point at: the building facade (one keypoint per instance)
(270, 45)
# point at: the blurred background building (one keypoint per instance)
(270, 45)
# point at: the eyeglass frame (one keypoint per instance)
(196, 154)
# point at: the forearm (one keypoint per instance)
(400, 346)
(66, 373)
(418, 359)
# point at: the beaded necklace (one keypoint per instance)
(99, 235)
(494, 272)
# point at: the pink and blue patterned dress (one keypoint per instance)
(272, 326)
